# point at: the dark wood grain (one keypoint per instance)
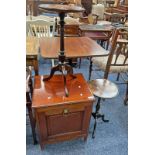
(52, 92)
(60, 8)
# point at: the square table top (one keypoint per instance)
(32, 46)
(50, 93)
(75, 47)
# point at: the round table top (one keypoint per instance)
(61, 8)
(103, 88)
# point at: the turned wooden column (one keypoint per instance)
(87, 4)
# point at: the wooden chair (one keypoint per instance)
(115, 62)
(29, 92)
(41, 28)
(118, 7)
(32, 49)
(119, 62)
(41, 17)
(115, 18)
(98, 9)
(90, 19)
(101, 37)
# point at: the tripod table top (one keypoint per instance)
(60, 8)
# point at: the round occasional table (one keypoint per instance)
(61, 10)
(103, 89)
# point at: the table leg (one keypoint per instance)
(35, 64)
(62, 68)
(94, 114)
(97, 115)
(90, 68)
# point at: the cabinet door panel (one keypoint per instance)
(59, 124)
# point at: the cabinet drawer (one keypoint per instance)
(64, 109)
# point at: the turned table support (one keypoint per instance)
(62, 67)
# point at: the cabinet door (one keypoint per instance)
(64, 122)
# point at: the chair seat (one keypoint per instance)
(101, 62)
(103, 88)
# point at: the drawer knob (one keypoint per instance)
(65, 112)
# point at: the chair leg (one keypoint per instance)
(35, 64)
(126, 96)
(79, 63)
(32, 121)
(31, 88)
(118, 75)
(101, 43)
(107, 45)
(90, 68)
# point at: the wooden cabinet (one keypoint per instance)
(59, 117)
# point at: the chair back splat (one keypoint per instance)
(41, 28)
(119, 51)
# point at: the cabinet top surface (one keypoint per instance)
(50, 93)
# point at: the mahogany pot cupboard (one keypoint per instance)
(59, 117)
